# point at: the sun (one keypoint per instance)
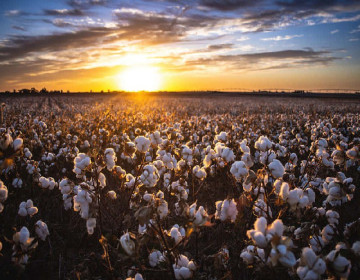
(140, 78)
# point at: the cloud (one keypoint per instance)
(84, 4)
(344, 19)
(334, 31)
(64, 12)
(353, 39)
(355, 30)
(282, 38)
(220, 47)
(20, 46)
(228, 5)
(15, 13)
(267, 60)
(17, 27)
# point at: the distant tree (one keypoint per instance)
(43, 90)
(24, 91)
(33, 90)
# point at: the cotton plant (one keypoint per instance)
(23, 245)
(85, 204)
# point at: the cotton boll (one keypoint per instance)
(155, 258)
(110, 158)
(5, 141)
(127, 244)
(226, 209)
(327, 233)
(41, 230)
(24, 235)
(102, 180)
(199, 173)
(227, 154)
(276, 168)
(27, 208)
(90, 225)
(332, 217)
(155, 138)
(356, 248)
(142, 144)
(311, 266)
(183, 268)
(221, 137)
(81, 162)
(243, 147)
(260, 224)
(288, 260)
(149, 176)
(263, 144)
(22, 210)
(112, 194)
(65, 186)
(177, 233)
(339, 264)
(238, 170)
(276, 228)
(17, 144)
(3, 195)
(162, 209)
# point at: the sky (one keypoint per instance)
(82, 45)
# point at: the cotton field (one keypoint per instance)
(150, 187)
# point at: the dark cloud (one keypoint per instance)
(228, 5)
(58, 22)
(64, 12)
(220, 47)
(85, 4)
(158, 28)
(17, 27)
(255, 60)
(20, 46)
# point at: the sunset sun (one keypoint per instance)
(140, 78)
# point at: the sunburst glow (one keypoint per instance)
(140, 78)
